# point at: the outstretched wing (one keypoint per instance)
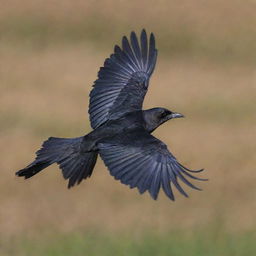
(123, 81)
(140, 160)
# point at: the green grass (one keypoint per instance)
(207, 242)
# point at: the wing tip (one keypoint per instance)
(143, 33)
(154, 197)
(133, 34)
(152, 39)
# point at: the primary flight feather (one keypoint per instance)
(121, 129)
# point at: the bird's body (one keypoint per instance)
(121, 129)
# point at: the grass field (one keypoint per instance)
(178, 243)
(50, 54)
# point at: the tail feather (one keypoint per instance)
(78, 167)
(32, 169)
(75, 165)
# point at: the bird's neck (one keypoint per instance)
(150, 122)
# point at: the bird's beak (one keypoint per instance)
(176, 115)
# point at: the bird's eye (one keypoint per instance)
(163, 114)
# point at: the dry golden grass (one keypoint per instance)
(44, 92)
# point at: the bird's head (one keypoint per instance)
(156, 116)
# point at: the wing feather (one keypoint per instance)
(144, 47)
(147, 165)
(136, 49)
(174, 180)
(166, 182)
(123, 80)
(156, 182)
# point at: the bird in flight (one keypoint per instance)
(122, 130)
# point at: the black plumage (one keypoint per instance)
(121, 129)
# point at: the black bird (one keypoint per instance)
(121, 129)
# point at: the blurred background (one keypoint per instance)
(50, 54)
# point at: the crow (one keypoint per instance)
(121, 129)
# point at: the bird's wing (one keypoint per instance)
(140, 160)
(123, 81)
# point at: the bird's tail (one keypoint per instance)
(75, 164)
